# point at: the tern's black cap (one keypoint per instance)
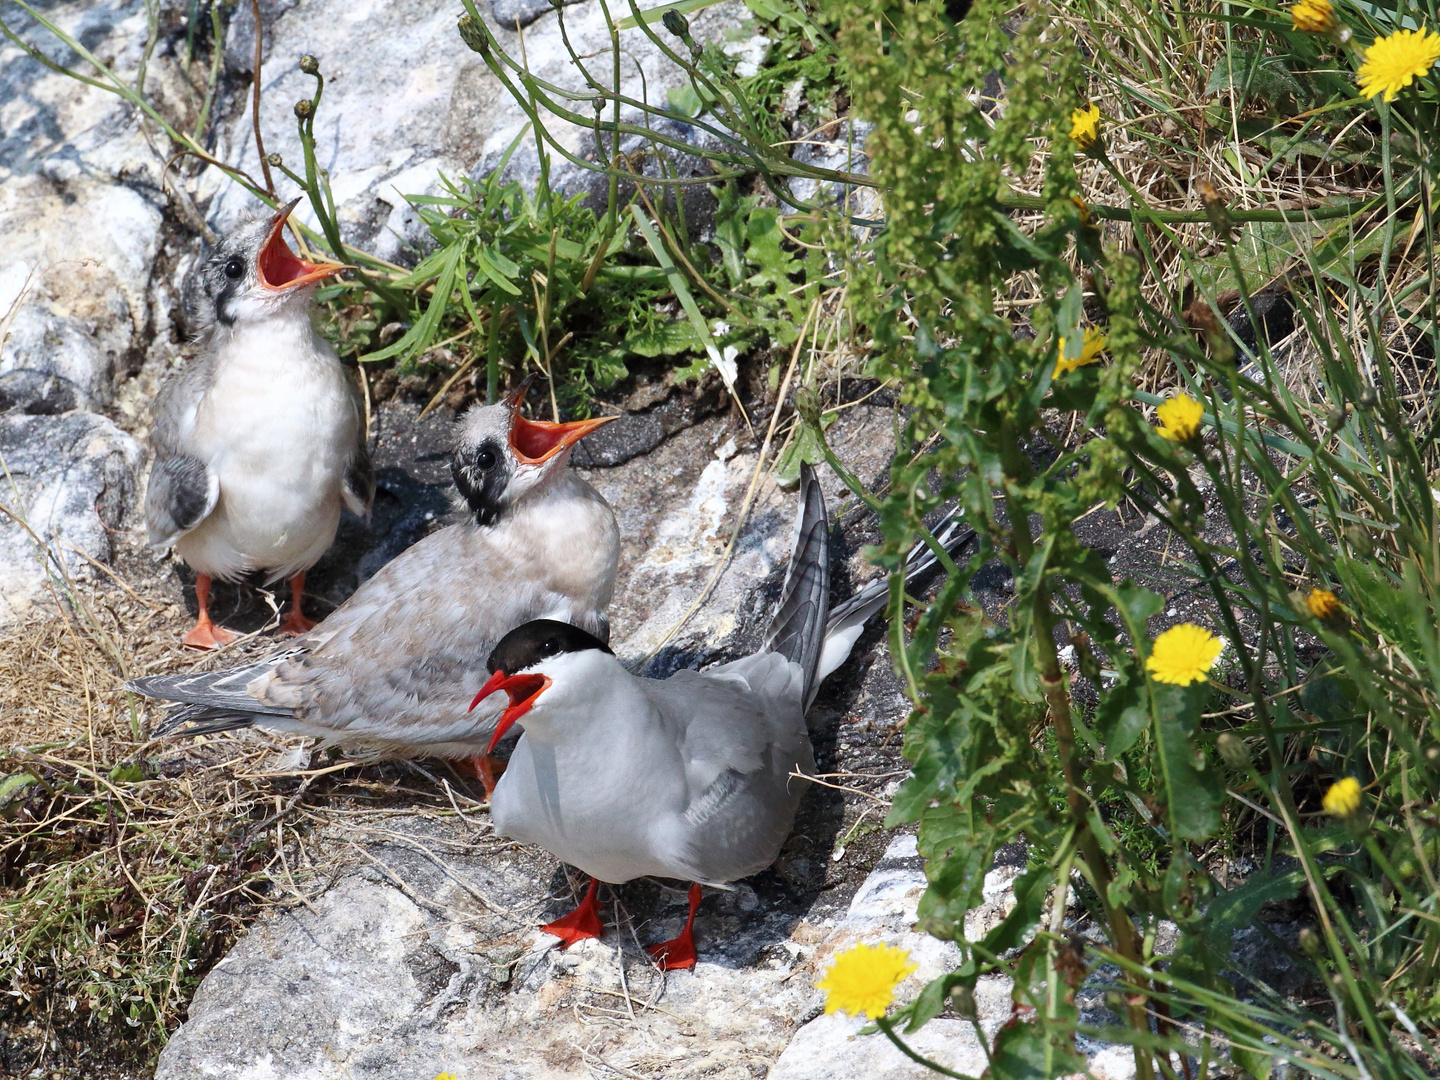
(539, 640)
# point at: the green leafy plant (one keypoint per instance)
(1264, 487)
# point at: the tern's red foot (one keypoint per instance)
(295, 622)
(679, 952)
(583, 922)
(206, 635)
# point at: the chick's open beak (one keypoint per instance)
(536, 441)
(280, 268)
(523, 690)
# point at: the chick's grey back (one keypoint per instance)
(397, 665)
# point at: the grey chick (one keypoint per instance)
(390, 672)
(259, 442)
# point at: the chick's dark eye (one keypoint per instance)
(234, 268)
(485, 459)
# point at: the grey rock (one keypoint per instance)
(79, 213)
(520, 13)
(74, 482)
(240, 39)
(640, 430)
(51, 364)
(405, 100)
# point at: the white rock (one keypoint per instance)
(78, 210)
(75, 476)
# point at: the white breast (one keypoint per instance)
(278, 427)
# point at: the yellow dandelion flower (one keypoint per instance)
(1394, 62)
(1085, 126)
(1343, 798)
(1090, 350)
(863, 979)
(445, 1076)
(1313, 16)
(1183, 655)
(1180, 417)
(1323, 604)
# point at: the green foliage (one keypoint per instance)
(1341, 504)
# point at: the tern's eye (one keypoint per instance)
(549, 648)
(485, 460)
(234, 268)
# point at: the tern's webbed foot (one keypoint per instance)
(206, 635)
(583, 922)
(678, 953)
(295, 624)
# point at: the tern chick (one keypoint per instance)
(259, 441)
(391, 672)
(703, 770)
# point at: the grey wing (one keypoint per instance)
(182, 489)
(358, 488)
(741, 750)
(181, 493)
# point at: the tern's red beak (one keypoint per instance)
(280, 268)
(535, 441)
(523, 691)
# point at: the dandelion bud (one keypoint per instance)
(1215, 209)
(1432, 754)
(676, 23)
(962, 1000)
(474, 35)
(274, 159)
(309, 65)
(303, 108)
(1336, 419)
(1232, 750)
(1368, 398)
(1359, 540)
(1309, 942)
(1391, 447)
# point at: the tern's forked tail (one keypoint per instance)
(797, 631)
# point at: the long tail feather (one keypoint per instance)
(201, 720)
(211, 700)
(797, 630)
(848, 619)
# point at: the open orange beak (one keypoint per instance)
(280, 268)
(523, 691)
(536, 441)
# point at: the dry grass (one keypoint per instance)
(128, 866)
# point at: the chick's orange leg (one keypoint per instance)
(583, 922)
(484, 768)
(295, 621)
(205, 634)
(679, 952)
